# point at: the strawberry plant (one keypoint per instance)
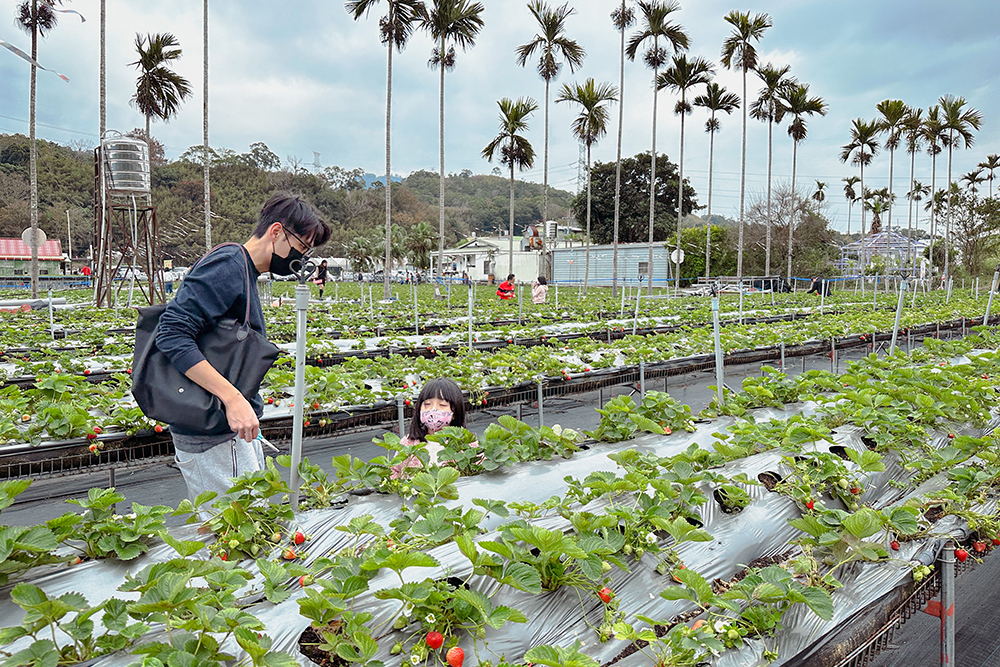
(621, 421)
(99, 532)
(23, 547)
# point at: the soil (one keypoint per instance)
(309, 642)
(934, 513)
(769, 480)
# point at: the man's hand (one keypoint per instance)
(242, 418)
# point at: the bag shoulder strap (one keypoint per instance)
(246, 266)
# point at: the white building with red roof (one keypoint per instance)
(15, 258)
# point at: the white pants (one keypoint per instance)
(214, 469)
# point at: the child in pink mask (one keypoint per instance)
(439, 404)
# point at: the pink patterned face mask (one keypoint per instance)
(435, 420)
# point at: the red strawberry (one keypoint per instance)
(315, 406)
(951, 436)
(76, 561)
(224, 556)
(810, 504)
(605, 595)
(979, 546)
(298, 537)
(158, 428)
(85, 372)
(304, 581)
(996, 541)
(91, 436)
(270, 400)
(98, 430)
(961, 554)
(434, 640)
(895, 545)
(855, 490)
(93, 449)
(455, 656)
(406, 402)
(667, 431)
(288, 554)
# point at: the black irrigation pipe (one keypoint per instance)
(120, 449)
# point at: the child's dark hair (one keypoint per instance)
(445, 389)
(542, 280)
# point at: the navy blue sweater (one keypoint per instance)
(215, 288)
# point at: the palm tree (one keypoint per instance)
(655, 25)
(457, 21)
(589, 126)
(680, 76)
(973, 179)
(767, 108)
(715, 99)
(990, 164)
(419, 244)
(912, 127)
(852, 196)
(894, 114)
(395, 27)
(159, 90)
(515, 151)
(936, 136)
(623, 17)
(35, 17)
(917, 192)
(861, 150)
(738, 52)
(959, 123)
(796, 101)
(553, 46)
(820, 195)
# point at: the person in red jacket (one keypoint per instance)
(506, 289)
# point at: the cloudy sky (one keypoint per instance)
(304, 77)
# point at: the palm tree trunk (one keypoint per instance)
(767, 224)
(933, 207)
(708, 229)
(148, 136)
(652, 189)
(888, 216)
(440, 267)
(947, 211)
(791, 218)
(205, 168)
(545, 159)
(388, 182)
(909, 217)
(618, 164)
(586, 271)
(510, 225)
(743, 183)
(104, 69)
(864, 230)
(33, 156)
(680, 203)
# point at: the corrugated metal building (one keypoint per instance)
(568, 264)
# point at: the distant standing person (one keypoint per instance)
(506, 289)
(539, 290)
(320, 278)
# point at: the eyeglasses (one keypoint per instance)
(308, 248)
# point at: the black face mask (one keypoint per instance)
(282, 266)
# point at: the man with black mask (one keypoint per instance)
(223, 284)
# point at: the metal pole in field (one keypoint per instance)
(822, 297)
(642, 379)
(635, 316)
(399, 415)
(741, 303)
(782, 356)
(624, 289)
(520, 303)
(947, 299)
(833, 354)
(557, 295)
(719, 371)
(899, 314)
(416, 312)
(301, 306)
(471, 297)
(947, 609)
(52, 330)
(993, 290)
(541, 417)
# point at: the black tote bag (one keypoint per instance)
(238, 352)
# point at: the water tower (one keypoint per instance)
(126, 227)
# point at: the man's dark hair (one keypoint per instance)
(295, 214)
(510, 277)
